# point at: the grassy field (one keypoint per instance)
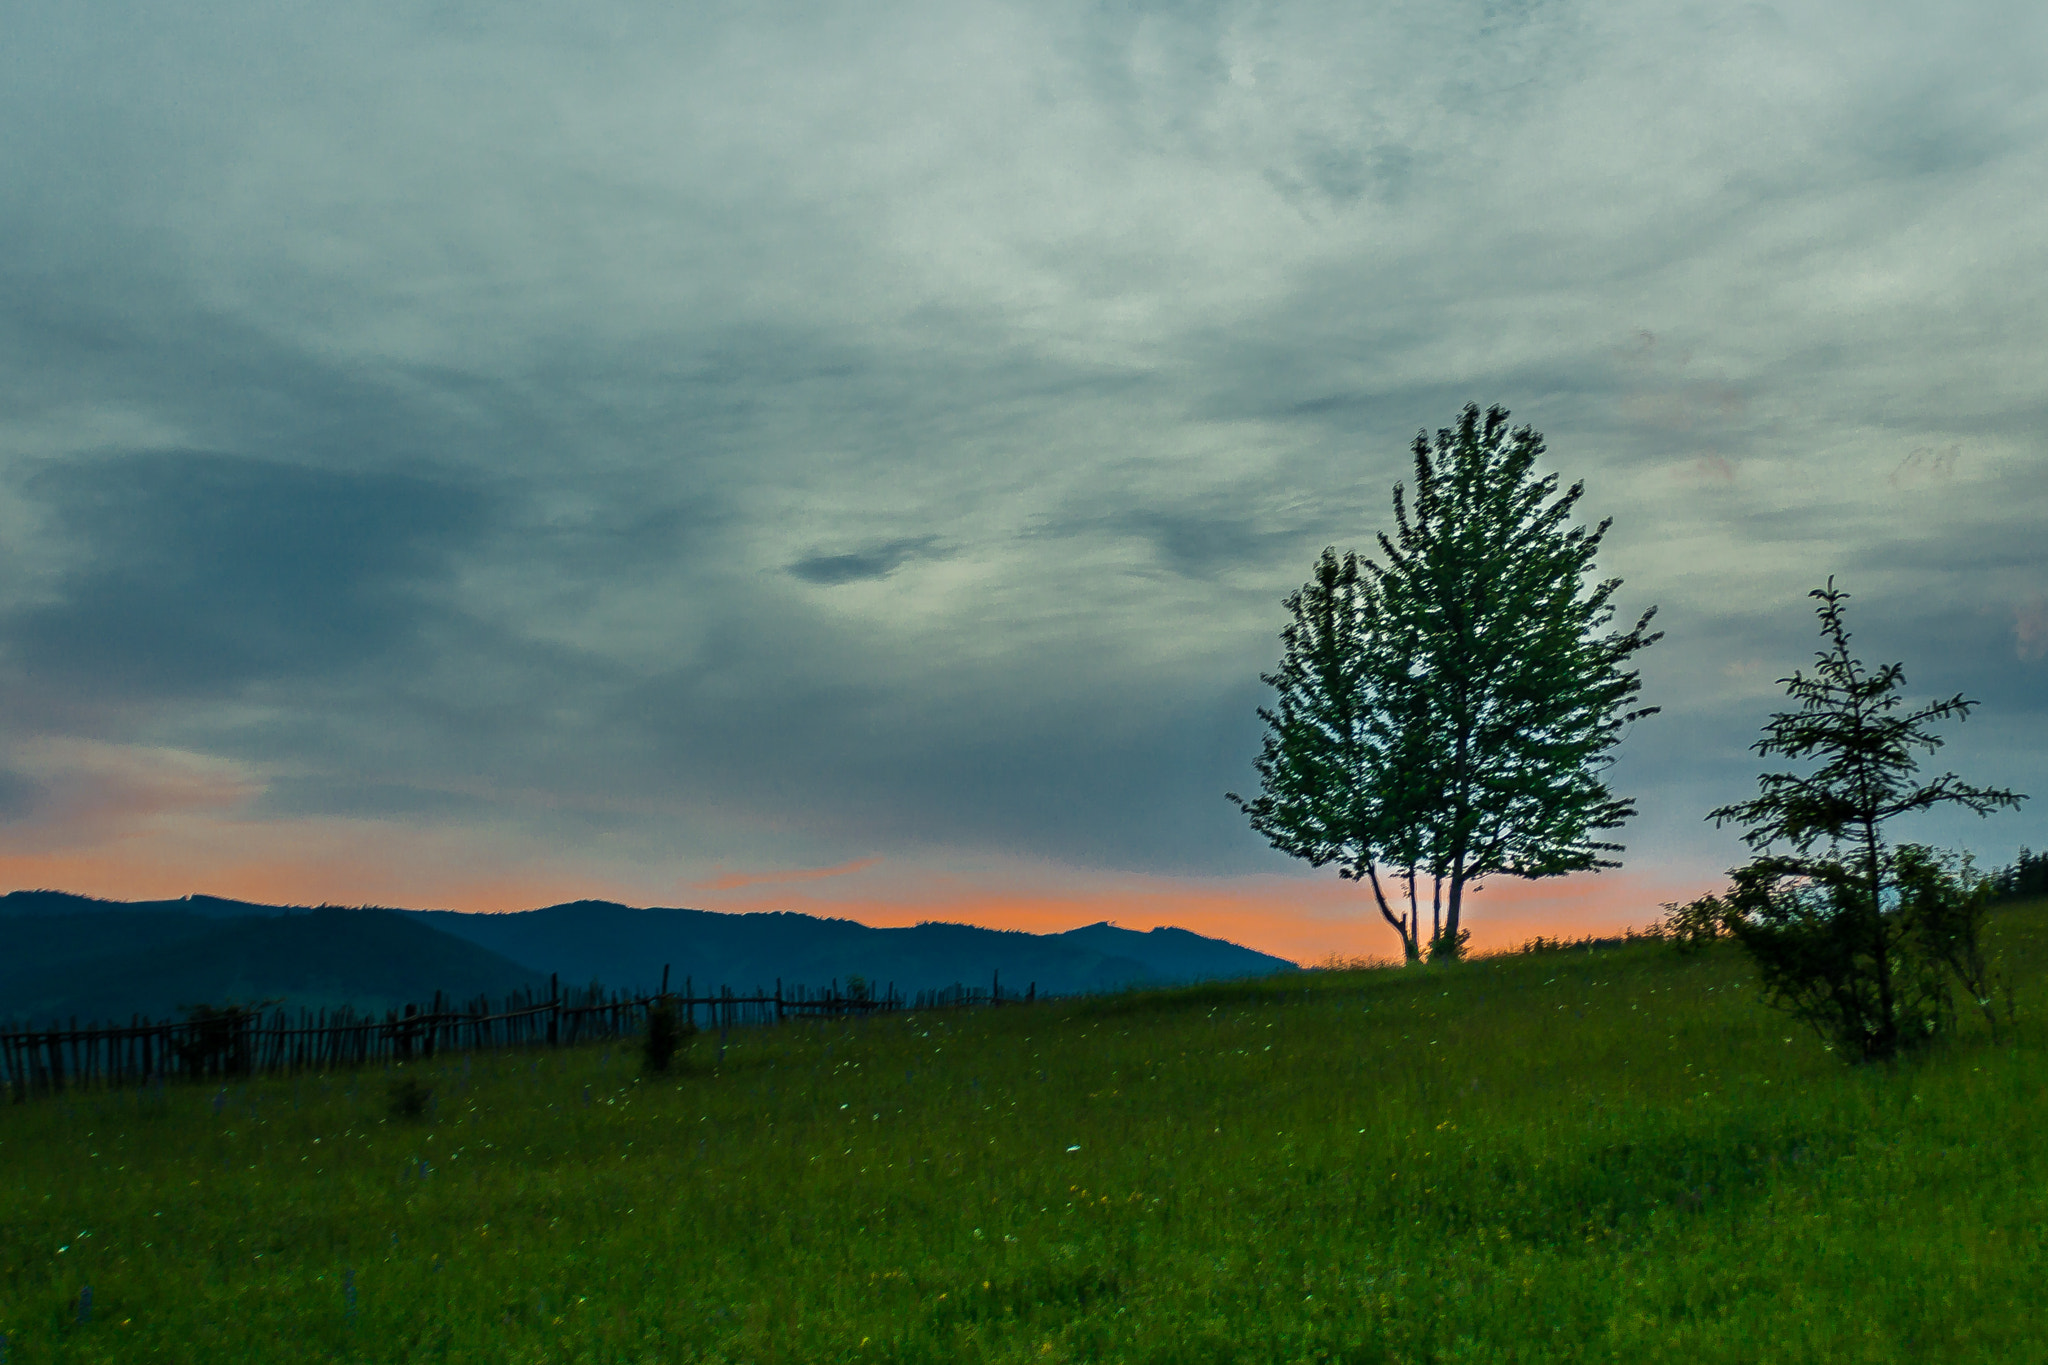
(1583, 1156)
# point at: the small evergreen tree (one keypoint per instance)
(1855, 936)
(2026, 879)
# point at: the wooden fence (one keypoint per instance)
(238, 1041)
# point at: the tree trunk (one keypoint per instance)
(1447, 935)
(1454, 911)
(1405, 927)
(1886, 1041)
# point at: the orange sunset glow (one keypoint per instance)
(1306, 919)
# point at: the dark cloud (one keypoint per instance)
(193, 573)
(870, 561)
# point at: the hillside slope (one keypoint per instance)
(111, 965)
(1612, 1155)
(21, 903)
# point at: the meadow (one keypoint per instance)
(1614, 1155)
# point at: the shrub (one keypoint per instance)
(1697, 923)
(667, 1033)
(409, 1098)
(215, 1040)
(1944, 904)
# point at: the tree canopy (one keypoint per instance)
(1336, 783)
(1445, 711)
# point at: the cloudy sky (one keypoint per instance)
(850, 458)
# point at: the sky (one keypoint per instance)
(850, 458)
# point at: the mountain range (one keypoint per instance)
(65, 956)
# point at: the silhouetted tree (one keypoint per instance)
(1336, 772)
(2025, 879)
(1446, 714)
(1857, 937)
(1523, 693)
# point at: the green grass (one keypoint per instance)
(1587, 1156)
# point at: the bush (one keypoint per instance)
(1587, 943)
(1944, 905)
(216, 1041)
(1697, 923)
(409, 1098)
(667, 1033)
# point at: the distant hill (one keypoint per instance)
(114, 963)
(624, 946)
(63, 955)
(64, 903)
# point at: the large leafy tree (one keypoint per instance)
(1446, 712)
(1528, 691)
(1855, 935)
(1336, 773)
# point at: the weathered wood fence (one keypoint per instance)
(240, 1041)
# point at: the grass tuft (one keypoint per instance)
(408, 1098)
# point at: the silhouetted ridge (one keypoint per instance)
(62, 954)
(114, 963)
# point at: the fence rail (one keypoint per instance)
(244, 1041)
